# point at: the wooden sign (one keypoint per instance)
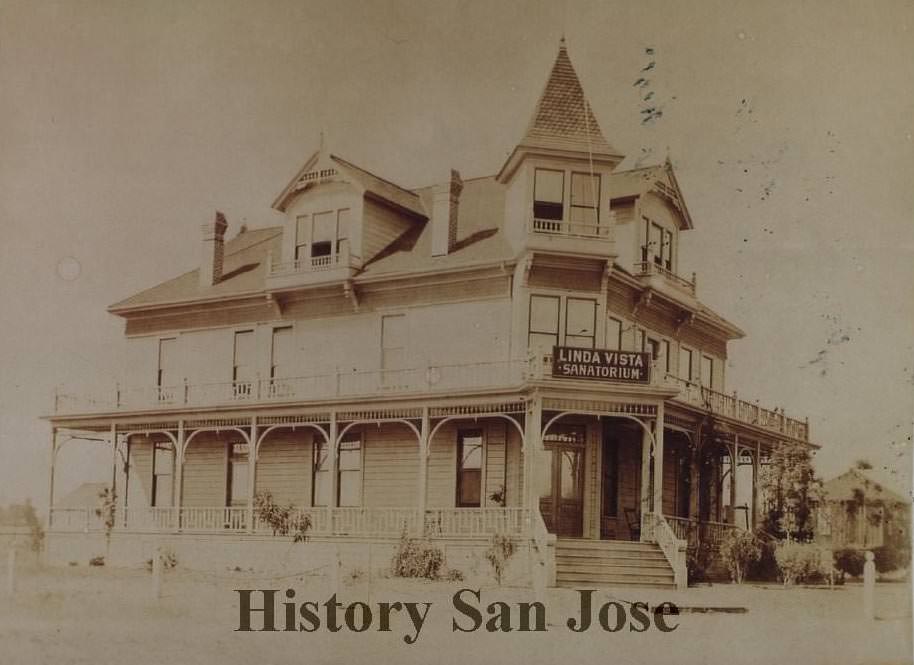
(601, 364)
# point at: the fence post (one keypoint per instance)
(11, 571)
(869, 586)
(335, 570)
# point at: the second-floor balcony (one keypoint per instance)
(431, 380)
(306, 270)
(566, 237)
(656, 275)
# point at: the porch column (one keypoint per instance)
(532, 444)
(755, 470)
(658, 461)
(114, 462)
(424, 444)
(646, 443)
(334, 481)
(51, 476)
(179, 474)
(734, 469)
(695, 476)
(252, 473)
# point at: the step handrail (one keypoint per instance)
(673, 548)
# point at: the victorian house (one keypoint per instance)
(515, 354)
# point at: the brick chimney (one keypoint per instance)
(444, 214)
(213, 247)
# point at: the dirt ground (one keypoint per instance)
(71, 616)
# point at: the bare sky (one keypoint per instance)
(123, 125)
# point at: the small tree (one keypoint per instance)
(501, 548)
(107, 511)
(282, 520)
(739, 550)
(791, 492)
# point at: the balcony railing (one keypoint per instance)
(732, 407)
(562, 227)
(348, 521)
(649, 268)
(340, 383)
(438, 379)
(310, 264)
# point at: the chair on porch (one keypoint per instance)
(634, 524)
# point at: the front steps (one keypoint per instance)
(611, 563)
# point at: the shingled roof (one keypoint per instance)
(563, 118)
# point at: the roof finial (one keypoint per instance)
(562, 41)
(322, 142)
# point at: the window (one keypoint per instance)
(658, 245)
(639, 339)
(469, 468)
(585, 199)
(544, 322)
(665, 358)
(610, 477)
(167, 374)
(349, 472)
(652, 346)
(237, 491)
(548, 194)
(302, 235)
(393, 341)
(580, 323)
(243, 367)
(707, 371)
(281, 353)
(320, 474)
(614, 334)
(321, 235)
(342, 228)
(685, 363)
(163, 467)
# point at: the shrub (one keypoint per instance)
(282, 520)
(354, 576)
(699, 557)
(501, 548)
(454, 575)
(739, 549)
(765, 568)
(849, 561)
(800, 562)
(416, 558)
(168, 558)
(97, 561)
(889, 558)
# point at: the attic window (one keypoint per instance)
(548, 194)
(321, 235)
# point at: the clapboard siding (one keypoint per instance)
(139, 487)
(391, 466)
(284, 467)
(380, 227)
(442, 468)
(514, 478)
(670, 473)
(495, 460)
(205, 470)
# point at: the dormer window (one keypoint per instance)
(658, 245)
(585, 199)
(321, 235)
(549, 194)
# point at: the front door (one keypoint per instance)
(563, 464)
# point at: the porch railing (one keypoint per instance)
(346, 521)
(657, 529)
(475, 521)
(693, 530)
